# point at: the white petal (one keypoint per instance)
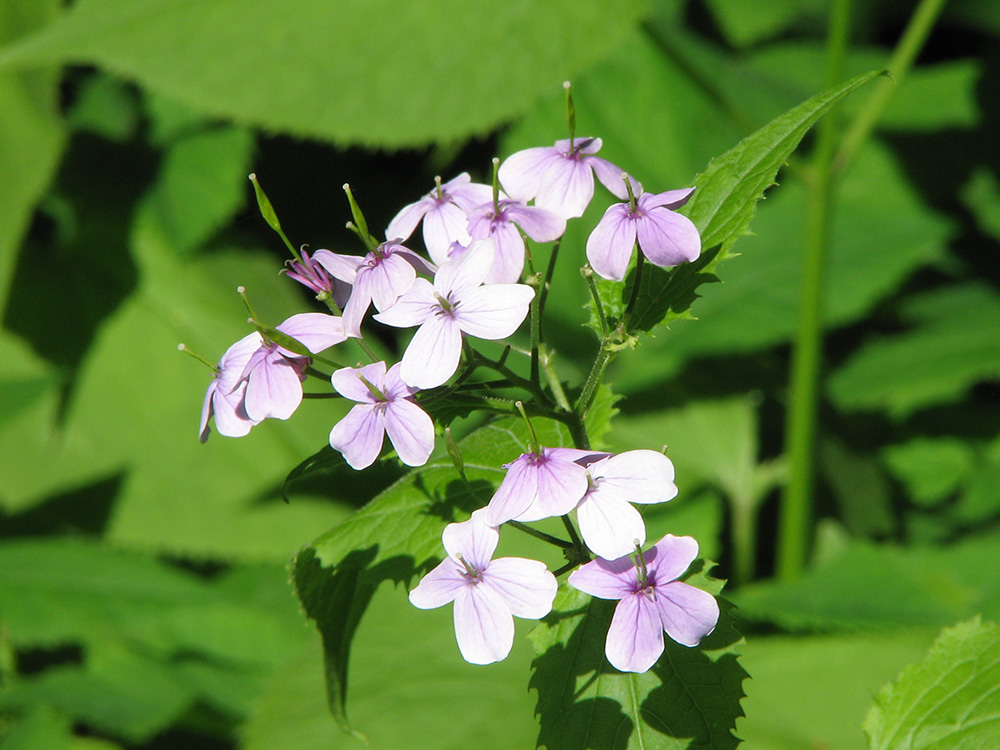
(446, 224)
(610, 245)
(609, 526)
(460, 276)
(440, 586)
(635, 638)
(403, 223)
(474, 540)
(358, 436)
(688, 614)
(484, 626)
(640, 476)
(494, 311)
(433, 353)
(526, 586)
(412, 309)
(410, 430)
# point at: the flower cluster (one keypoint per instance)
(471, 286)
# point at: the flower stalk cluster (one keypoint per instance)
(474, 284)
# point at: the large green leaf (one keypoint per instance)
(952, 345)
(380, 73)
(690, 698)
(398, 534)
(950, 700)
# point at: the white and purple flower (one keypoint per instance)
(501, 221)
(224, 397)
(651, 601)
(385, 406)
(665, 237)
(487, 593)
(560, 178)
(457, 303)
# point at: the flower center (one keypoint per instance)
(471, 573)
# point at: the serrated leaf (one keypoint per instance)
(953, 345)
(690, 698)
(725, 202)
(950, 700)
(275, 66)
(398, 534)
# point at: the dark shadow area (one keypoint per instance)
(81, 512)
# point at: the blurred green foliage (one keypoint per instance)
(143, 602)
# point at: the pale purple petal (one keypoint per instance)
(391, 277)
(671, 556)
(509, 259)
(274, 389)
(446, 224)
(494, 311)
(609, 526)
(357, 305)
(526, 586)
(420, 265)
(606, 579)
(484, 626)
(206, 410)
(561, 484)
(474, 540)
(611, 177)
(433, 353)
(412, 309)
(537, 223)
(586, 145)
(347, 381)
(467, 194)
(668, 199)
(567, 188)
(410, 430)
(440, 585)
(521, 173)
(639, 476)
(515, 493)
(315, 331)
(687, 614)
(359, 436)
(343, 267)
(393, 386)
(635, 638)
(668, 239)
(403, 223)
(466, 272)
(231, 419)
(610, 245)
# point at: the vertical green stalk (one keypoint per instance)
(800, 426)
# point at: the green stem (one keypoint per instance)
(552, 378)
(907, 49)
(536, 335)
(549, 272)
(744, 521)
(588, 274)
(594, 378)
(795, 514)
(540, 535)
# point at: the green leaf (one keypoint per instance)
(783, 714)
(932, 469)
(744, 26)
(32, 135)
(861, 489)
(725, 202)
(690, 698)
(106, 107)
(981, 195)
(951, 346)
(397, 535)
(950, 700)
(363, 73)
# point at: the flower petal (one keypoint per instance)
(669, 199)
(432, 355)
(521, 173)
(606, 579)
(639, 476)
(688, 614)
(410, 430)
(343, 267)
(444, 225)
(494, 311)
(403, 223)
(667, 238)
(359, 436)
(439, 586)
(539, 224)
(526, 586)
(315, 331)
(515, 493)
(460, 276)
(609, 246)
(610, 176)
(484, 627)
(671, 556)
(273, 389)
(391, 277)
(347, 381)
(635, 638)
(412, 309)
(474, 540)
(609, 526)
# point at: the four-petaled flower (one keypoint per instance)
(274, 375)
(561, 178)
(666, 238)
(501, 221)
(224, 397)
(652, 601)
(444, 212)
(608, 524)
(457, 303)
(380, 277)
(486, 592)
(385, 408)
(540, 485)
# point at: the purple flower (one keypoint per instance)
(224, 398)
(665, 238)
(384, 407)
(273, 375)
(457, 303)
(540, 485)
(559, 178)
(501, 222)
(311, 274)
(652, 600)
(380, 277)
(444, 213)
(486, 592)
(608, 523)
